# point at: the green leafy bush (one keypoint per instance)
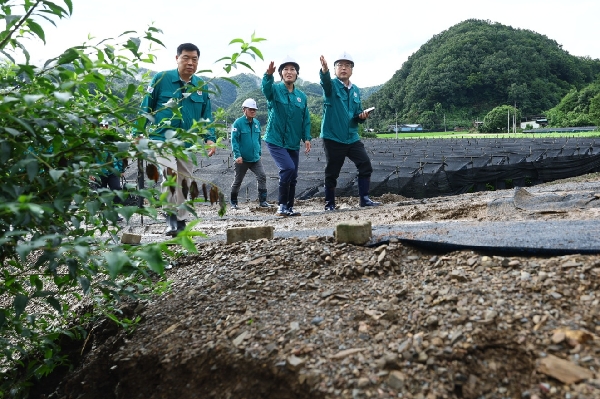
(500, 119)
(577, 108)
(59, 240)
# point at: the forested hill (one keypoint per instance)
(474, 66)
(225, 93)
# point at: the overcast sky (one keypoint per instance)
(380, 35)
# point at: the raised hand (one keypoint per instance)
(324, 66)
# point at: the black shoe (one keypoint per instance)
(330, 207)
(234, 206)
(171, 232)
(174, 231)
(174, 226)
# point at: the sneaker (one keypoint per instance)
(282, 211)
(234, 206)
(264, 204)
(291, 212)
(330, 207)
(366, 201)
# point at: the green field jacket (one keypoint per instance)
(341, 107)
(245, 139)
(289, 120)
(166, 91)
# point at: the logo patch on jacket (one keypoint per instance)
(199, 92)
(234, 129)
(299, 99)
(355, 95)
(150, 89)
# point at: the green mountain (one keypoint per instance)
(225, 93)
(474, 66)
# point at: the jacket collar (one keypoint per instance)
(176, 78)
(349, 83)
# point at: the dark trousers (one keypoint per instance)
(287, 163)
(111, 181)
(239, 171)
(336, 154)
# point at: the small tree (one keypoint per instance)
(500, 119)
(315, 125)
(427, 120)
(58, 238)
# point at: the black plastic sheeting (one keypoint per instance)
(563, 129)
(446, 247)
(518, 238)
(420, 168)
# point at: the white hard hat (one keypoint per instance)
(288, 60)
(249, 103)
(344, 57)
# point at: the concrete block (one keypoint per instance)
(129, 238)
(357, 233)
(236, 234)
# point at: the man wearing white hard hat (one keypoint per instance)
(342, 112)
(288, 124)
(246, 147)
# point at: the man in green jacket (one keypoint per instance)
(288, 124)
(178, 88)
(246, 147)
(342, 112)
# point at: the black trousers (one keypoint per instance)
(111, 181)
(335, 155)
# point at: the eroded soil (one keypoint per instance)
(313, 318)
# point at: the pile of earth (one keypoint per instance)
(303, 316)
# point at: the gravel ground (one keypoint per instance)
(302, 316)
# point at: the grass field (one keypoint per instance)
(466, 135)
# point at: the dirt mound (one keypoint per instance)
(313, 318)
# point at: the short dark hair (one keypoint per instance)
(188, 47)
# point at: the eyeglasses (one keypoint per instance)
(251, 109)
(343, 65)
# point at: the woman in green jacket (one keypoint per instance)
(288, 124)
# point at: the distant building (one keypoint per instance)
(535, 122)
(406, 127)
